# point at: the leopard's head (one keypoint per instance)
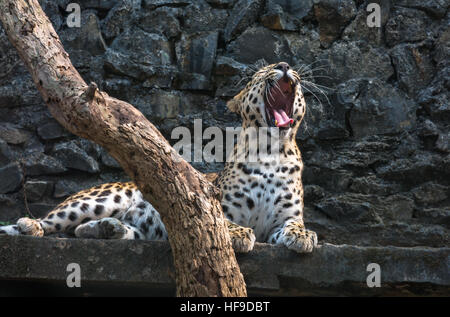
(273, 98)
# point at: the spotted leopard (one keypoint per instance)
(262, 198)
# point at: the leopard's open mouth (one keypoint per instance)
(279, 102)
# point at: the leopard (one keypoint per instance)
(261, 198)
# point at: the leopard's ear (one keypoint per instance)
(235, 104)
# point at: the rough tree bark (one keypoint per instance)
(189, 206)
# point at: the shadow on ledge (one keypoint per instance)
(38, 266)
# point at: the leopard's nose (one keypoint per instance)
(284, 67)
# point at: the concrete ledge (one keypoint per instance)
(269, 270)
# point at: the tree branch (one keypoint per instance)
(204, 260)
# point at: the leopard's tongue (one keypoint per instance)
(281, 118)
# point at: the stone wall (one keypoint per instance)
(375, 140)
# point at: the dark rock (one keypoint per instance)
(229, 87)
(313, 193)
(88, 37)
(161, 21)
(109, 161)
(120, 17)
(260, 43)
(38, 163)
(52, 130)
(65, 188)
(35, 190)
(345, 61)
(443, 142)
(373, 185)
(191, 81)
(221, 3)
(305, 45)
(285, 14)
(163, 79)
(350, 208)
(324, 120)
(361, 155)
(386, 108)
(90, 4)
(437, 8)
(333, 16)
(11, 176)
(153, 4)
(428, 133)
(8, 91)
(437, 216)
(73, 184)
(195, 55)
(138, 54)
(227, 66)
(199, 16)
(413, 66)
(243, 15)
(73, 156)
(7, 200)
(406, 25)
(39, 210)
(120, 88)
(337, 180)
(166, 105)
(430, 193)
(92, 149)
(13, 134)
(396, 208)
(6, 155)
(435, 98)
(428, 129)
(442, 46)
(417, 169)
(11, 207)
(32, 145)
(11, 66)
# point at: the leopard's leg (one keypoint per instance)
(242, 238)
(295, 236)
(108, 228)
(147, 220)
(11, 230)
(107, 200)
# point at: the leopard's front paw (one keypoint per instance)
(106, 228)
(242, 239)
(299, 239)
(303, 241)
(30, 227)
(111, 228)
(88, 230)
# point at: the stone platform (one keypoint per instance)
(38, 266)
